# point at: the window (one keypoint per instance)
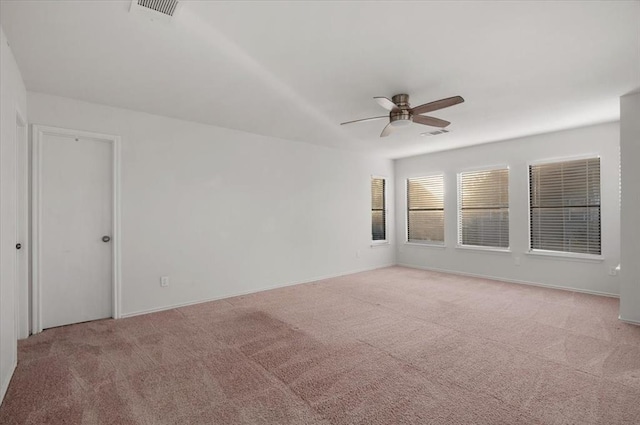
(483, 203)
(564, 202)
(425, 209)
(378, 209)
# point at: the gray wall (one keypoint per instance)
(224, 212)
(518, 265)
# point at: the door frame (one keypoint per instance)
(39, 131)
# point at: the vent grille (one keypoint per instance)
(166, 7)
(435, 133)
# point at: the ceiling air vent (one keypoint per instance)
(435, 133)
(162, 10)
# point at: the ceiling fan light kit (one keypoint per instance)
(401, 114)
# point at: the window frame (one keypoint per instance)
(544, 253)
(434, 244)
(384, 241)
(459, 244)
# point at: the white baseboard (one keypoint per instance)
(631, 322)
(6, 381)
(252, 291)
(520, 282)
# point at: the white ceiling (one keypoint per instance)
(297, 69)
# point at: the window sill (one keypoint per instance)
(375, 244)
(571, 256)
(426, 244)
(484, 249)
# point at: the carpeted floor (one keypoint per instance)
(390, 346)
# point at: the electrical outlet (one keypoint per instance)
(358, 254)
(517, 260)
(164, 281)
(613, 271)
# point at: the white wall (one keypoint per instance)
(591, 276)
(13, 99)
(224, 212)
(630, 242)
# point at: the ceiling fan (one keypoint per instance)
(402, 114)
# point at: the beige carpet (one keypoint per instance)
(390, 346)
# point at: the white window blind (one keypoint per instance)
(483, 216)
(378, 210)
(425, 209)
(565, 206)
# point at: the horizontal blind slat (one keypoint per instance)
(378, 213)
(565, 206)
(425, 208)
(484, 208)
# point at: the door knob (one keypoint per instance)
(18, 245)
(106, 239)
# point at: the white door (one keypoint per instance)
(22, 228)
(75, 264)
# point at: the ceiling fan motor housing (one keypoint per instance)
(402, 100)
(402, 116)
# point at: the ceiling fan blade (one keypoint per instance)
(365, 119)
(387, 130)
(433, 122)
(438, 104)
(386, 103)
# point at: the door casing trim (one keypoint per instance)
(38, 133)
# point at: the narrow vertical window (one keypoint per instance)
(425, 209)
(483, 203)
(378, 209)
(564, 206)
